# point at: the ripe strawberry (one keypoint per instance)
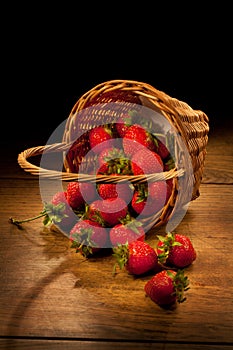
(101, 137)
(162, 149)
(137, 138)
(149, 198)
(112, 160)
(56, 212)
(122, 190)
(93, 212)
(63, 216)
(167, 287)
(138, 257)
(77, 193)
(125, 121)
(59, 197)
(88, 237)
(145, 161)
(107, 212)
(113, 210)
(126, 232)
(176, 250)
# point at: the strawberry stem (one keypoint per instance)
(19, 222)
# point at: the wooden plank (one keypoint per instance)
(34, 344)
(48, 290)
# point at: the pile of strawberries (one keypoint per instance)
(110, 214)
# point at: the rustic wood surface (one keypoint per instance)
(53, 298)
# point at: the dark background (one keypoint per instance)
(51, 55)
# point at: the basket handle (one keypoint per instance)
(66, 176)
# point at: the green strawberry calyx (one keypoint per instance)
(121, 254)
(180, 283)
(53, 214)
(82, 242)
(168, 242)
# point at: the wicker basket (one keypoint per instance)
(191, 125)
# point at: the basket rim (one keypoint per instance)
(69, 176)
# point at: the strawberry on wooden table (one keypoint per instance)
(126, 232)
(167, 287)
(88, 237)
(138, 257)
(176, 250)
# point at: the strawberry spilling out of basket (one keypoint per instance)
(116, 212)
(112, 205)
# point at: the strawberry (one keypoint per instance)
(126, 232)
(167, 287)
(88, 237)
(122, 190)
(113, 160)
(67, 215)
(107, 212)
(77, 193)
(149, 198)
(113, 210)
(162, 149)
(145, 161)
(125, 121)
(59, 197)
(93, 212)
(101, 137)
(138, 257)
(137, 138)
(176, 250)
(56, 212)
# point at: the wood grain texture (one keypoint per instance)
(51, 297)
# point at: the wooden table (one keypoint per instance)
(53, 298)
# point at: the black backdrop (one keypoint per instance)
(52, 55)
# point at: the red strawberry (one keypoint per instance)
(122, 190)
(59, 197)
(176, 250)
(107, 212)
(149, 198)
(80, 192)
(126, 233)
(162, 149)
(113, 161)
(145, 161)
(101, 137)
(113, 210)
(88, 237)
(136, 138)
(64, 217)
(138, 257)
(167, 287)
(93, 212)
(125, 121)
